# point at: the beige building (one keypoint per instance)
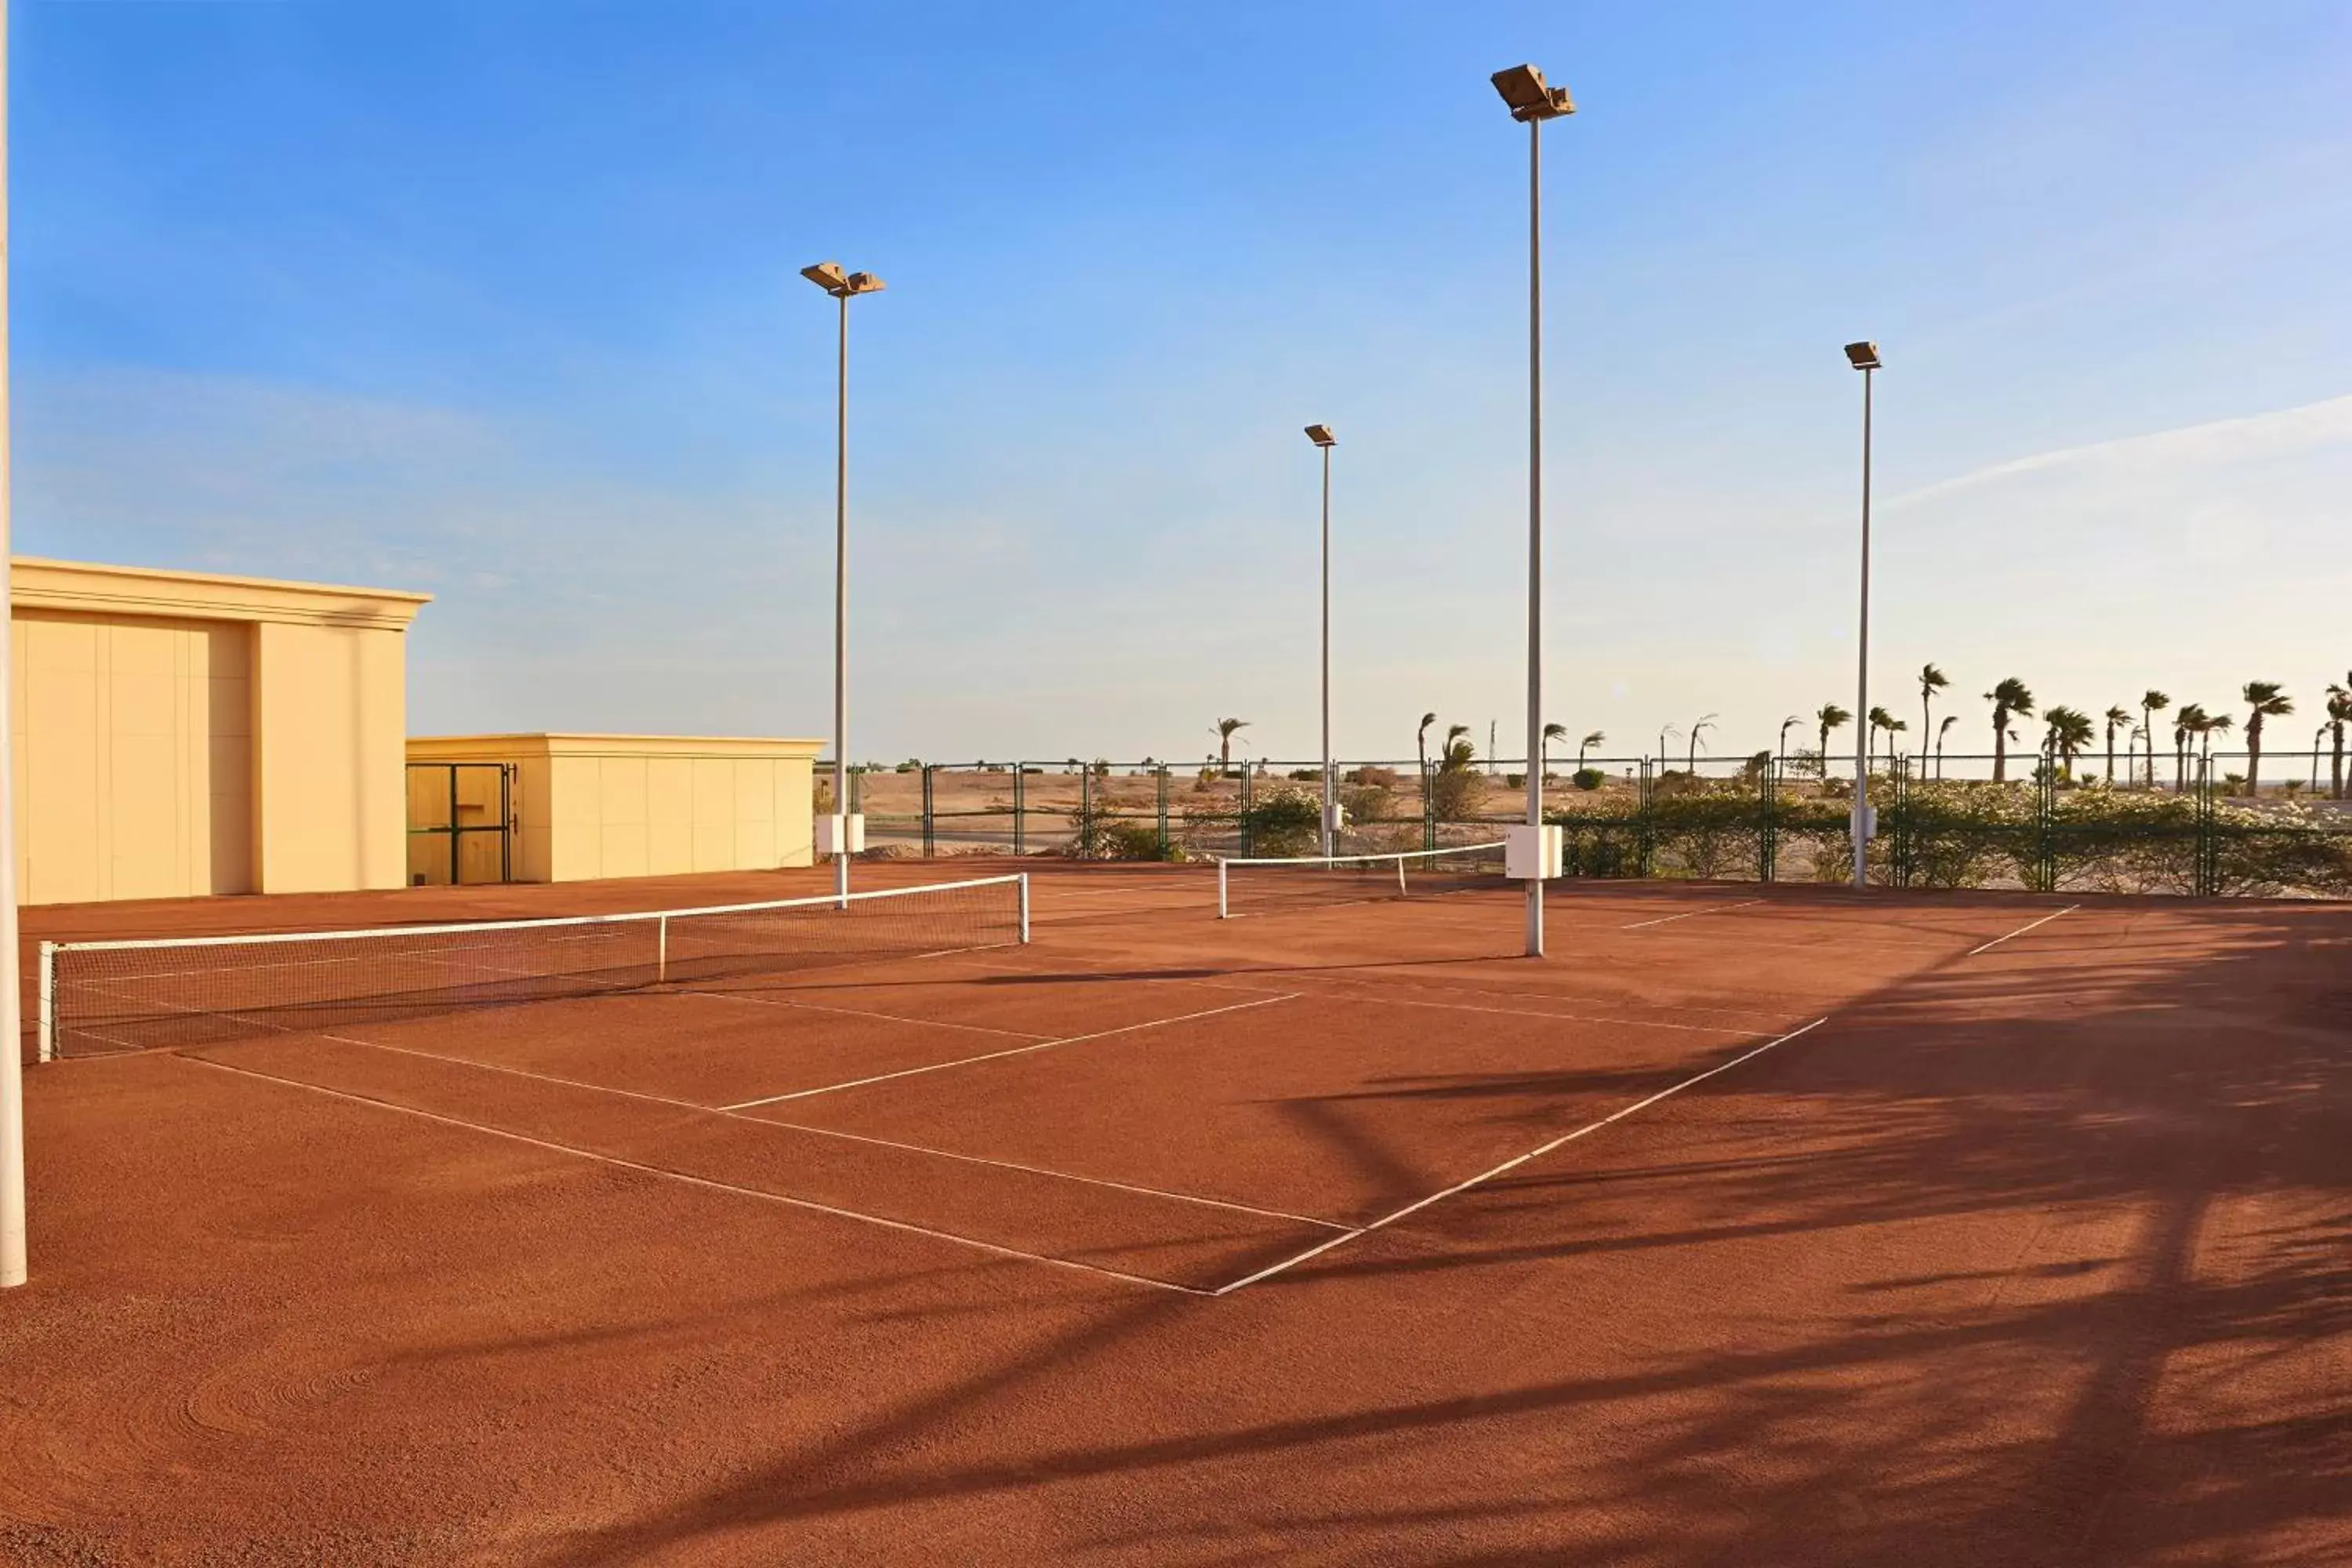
(629, 805)
(178, 732)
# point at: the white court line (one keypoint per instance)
(862, 1013)
(671, 1100)
(2021, 931)
(1688, 914)
(704, 1182)
(1513, 1163)
(996, 1055)
(1041, 1171)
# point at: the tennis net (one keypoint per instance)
(104, 997)
(1303, 881)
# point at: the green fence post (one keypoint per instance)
(1245, 811)
(1428, 808)
(1163, 810)
(1020, 800)
(1086, 811)
(930, 822)
(1767, 846)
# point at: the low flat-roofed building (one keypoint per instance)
(184, 733)
(587, 806)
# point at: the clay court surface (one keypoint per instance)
(1749, 1226)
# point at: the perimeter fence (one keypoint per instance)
(1941, 822)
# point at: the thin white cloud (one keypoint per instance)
(2248, 437)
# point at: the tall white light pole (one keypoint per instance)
(1863, 357)
(11, 1042)
(843, 286)
(1322, 436)
(1533, 102)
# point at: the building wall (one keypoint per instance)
(646, 805)
(180, 734)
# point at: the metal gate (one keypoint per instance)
(460, 823)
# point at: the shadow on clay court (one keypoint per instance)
(2161, 1103)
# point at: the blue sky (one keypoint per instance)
(498, 300)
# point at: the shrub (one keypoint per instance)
(1371, 777)
(1285, 821)
(1587, 778)
(1307, 775)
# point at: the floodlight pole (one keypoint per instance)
(12, 1061)
(1327, 651)
(1860, 817)
(1534, 514)
(841, 605)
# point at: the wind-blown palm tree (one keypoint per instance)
(1931, 681)
(1586, 744)
(1704, 722)
(2263, 701)
(1543, 757)
(2010, 699)
(2066, 731)
(2339, 713)
(1830, 717)
(1879, 719)
(2151, 703)
(1950, 720)
(2188, 720)
(1666, 732)
(2114, 716)
(1792, 719)
(1420, 741)
(1225, 732)
(2318, 738)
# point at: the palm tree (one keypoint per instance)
(1586, 744)
(1704, 722)
(2339, 713)
(2263, 701)
(1931, 681)
(1792, 719)
(1879, 719)
(1950, 720)
(1420, 741)
(2010, 699)
(2188, 720)
(1830, 717)
(2114, 716)
(1543, 760)
(2318, 738)
(1225, 729)
(2069, 729)
(1663, 732)
(2151, 703)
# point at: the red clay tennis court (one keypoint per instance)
(1748, 1225)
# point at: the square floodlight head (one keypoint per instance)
(826, 275)
(861, 283)
(1863, 356)
(1322, 436)
(1524, 90)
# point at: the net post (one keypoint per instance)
(661, 951)
(1401, 888)
(1221, 888)
(48, 1001)
(1025, 909)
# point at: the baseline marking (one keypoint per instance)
(2021, 931)
(1691, 914)
(996, 1055)
(809, 1205)
(1513, 1163)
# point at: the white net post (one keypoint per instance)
(1401, 887)
(1025, 909)
(49, 1001)
(1221, 889)
(661, 951)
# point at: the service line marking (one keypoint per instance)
(863, 1013)
(663, 1173)
(1513, 1163)
(1013, 1051)
(1691, 914)
(2021, 931)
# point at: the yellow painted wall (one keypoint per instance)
(183, 733)
(646, 805)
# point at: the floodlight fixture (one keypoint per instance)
(1522, 88)
(1863, 356)
(829, 276)
(1322, 436)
